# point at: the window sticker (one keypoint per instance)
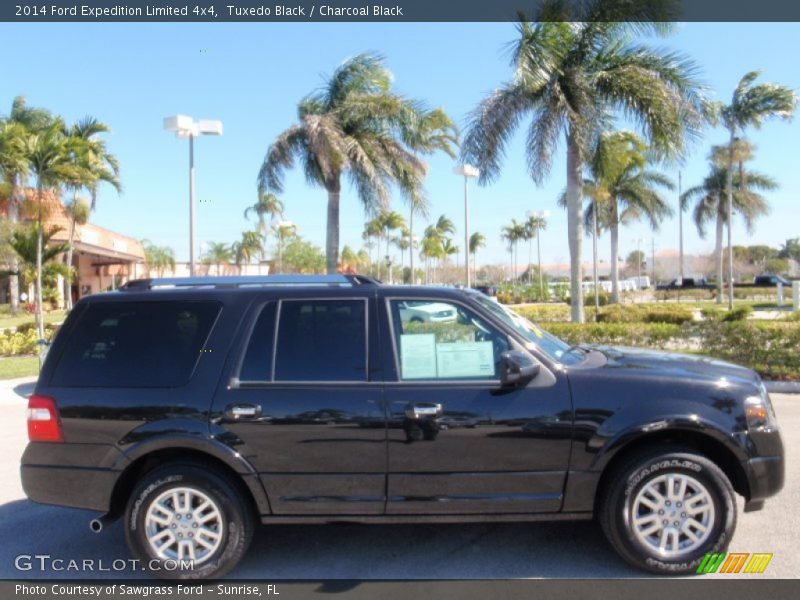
(418, 356)
(471, 359)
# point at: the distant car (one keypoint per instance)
(488, 290)
(770, 281)
(427, 312)
(687, 283)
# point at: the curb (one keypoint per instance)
(783, 387)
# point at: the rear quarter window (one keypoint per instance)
(135, 344)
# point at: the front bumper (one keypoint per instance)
(765, 476)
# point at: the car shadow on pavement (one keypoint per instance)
(326, 552)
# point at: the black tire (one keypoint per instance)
(617, 499)
(237, 517)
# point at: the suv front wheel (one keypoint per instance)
(185, 521)
(663, 512)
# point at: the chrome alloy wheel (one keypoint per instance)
(672, 515)
(184, 524)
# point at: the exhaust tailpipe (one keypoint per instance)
(96, 525)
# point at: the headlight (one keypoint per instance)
(759, 411)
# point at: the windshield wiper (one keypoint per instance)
(583, 349)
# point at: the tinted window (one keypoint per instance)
(321, 340)
(442, 340)
(257, 361)
(135, 344)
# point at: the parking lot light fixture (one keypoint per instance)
(466, 171)
(186, 127)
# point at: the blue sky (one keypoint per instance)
(252, 75)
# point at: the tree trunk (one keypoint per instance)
(411, 242)
(39, 307)
(614, 251)
(332, 234)
(729, 207)
(13, 216)
(68, 280)
(575, 229)
(718, 254)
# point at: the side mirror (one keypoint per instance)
(517, 368)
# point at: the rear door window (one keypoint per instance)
(322, 340)
(135, 344)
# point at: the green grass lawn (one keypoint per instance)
(12, 367)
(6, 320)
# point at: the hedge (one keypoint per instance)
(651, 335)
(771, 348)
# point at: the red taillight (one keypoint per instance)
(44, 424)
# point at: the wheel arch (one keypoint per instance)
(702, 443)
(248, 483)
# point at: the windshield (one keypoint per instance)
(556, 349)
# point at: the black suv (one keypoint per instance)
(197, 408)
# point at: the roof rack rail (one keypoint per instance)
(245, 281)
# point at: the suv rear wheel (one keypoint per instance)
(185, 521)
(663, 512)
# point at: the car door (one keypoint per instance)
(304, 405)
(460, 442)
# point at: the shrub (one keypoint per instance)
(23, 340)
(651, 335)
(636, 313)
(544, 313)
(769, 347)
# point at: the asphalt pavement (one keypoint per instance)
(345, 551)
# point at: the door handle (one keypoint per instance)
(423, 410)
(241, 412)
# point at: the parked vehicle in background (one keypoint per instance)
(488, 290)
(687, 283)
(770, 281)
(426, 312)
(196, 408)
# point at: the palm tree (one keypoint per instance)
(476, 241)
(403, 242)
(709, 206)
(389, 221)
(218, 253)
(750, 106)
(78, 210)
(622, 189)
(512, 234)
(533, 229)
(247, 248)
(21, 122)
(267, 205)
(158, 258)
(356, 125)
(445, 226)
(571, 70)
(431, 250)
(91, 164)
(49, 160)
(283, 230)
(24, 241)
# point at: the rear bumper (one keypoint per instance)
(69, 486)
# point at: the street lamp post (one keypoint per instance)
(186, 127)
(466, 171)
